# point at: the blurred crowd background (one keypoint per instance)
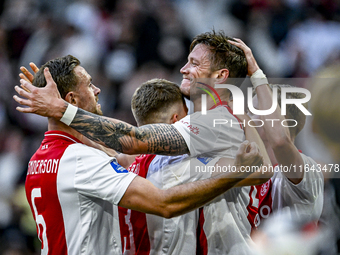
(123, 43)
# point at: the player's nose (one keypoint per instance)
(96, 90)
(184, 68)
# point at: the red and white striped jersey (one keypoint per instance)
(225, 224)
(133, 227)
(228, 221)
(303, 201)
(72, 190)
(151, 234)
(179, 234)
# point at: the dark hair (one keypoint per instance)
(223, 54)
(153, 98)
(62, 71)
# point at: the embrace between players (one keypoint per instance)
(165, 206)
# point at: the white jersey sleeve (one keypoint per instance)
(214, 134)
(99, 175)
(305, 199)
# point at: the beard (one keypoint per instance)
(98, 111)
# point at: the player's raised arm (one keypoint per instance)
(278, 135)
(252, 135)
(159, 139)
(279, 138)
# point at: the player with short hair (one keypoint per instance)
(158, 101)
(72, 188)
(155, 101)
(194, 134)
(149, 234)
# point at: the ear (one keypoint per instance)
(71, 98)
(222, 76)
(174, 118)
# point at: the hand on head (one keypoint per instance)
(27, 75)
(39, 100)
(252, 64)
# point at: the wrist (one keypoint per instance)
(69, 112)
(258, 78)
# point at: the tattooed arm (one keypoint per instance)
(156, 138)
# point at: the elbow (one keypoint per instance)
(165, 207)
(167, 214)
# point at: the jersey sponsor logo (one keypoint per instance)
(257, 220)
(205, 160)
(118, 168)
(193, 129)
(265, 211)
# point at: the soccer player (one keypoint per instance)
(161, 101)
(72, 188)
(156, 101)
(211, 58)
(300, 188)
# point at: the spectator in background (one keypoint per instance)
(266, 26)
(326, 123)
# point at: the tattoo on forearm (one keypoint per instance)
(65, 107)
(161, 139)
(164, 139)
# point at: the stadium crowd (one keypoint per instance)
(125, 43)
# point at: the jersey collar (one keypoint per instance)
(223, 103)
(55, 134)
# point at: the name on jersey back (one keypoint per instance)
(48, 166)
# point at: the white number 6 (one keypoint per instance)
(40, 221)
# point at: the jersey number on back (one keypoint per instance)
(39, 219)
(129, 239)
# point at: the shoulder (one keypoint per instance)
(85, 157)
(82, 150)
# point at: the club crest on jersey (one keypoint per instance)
(264, 188)
(118, 168)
